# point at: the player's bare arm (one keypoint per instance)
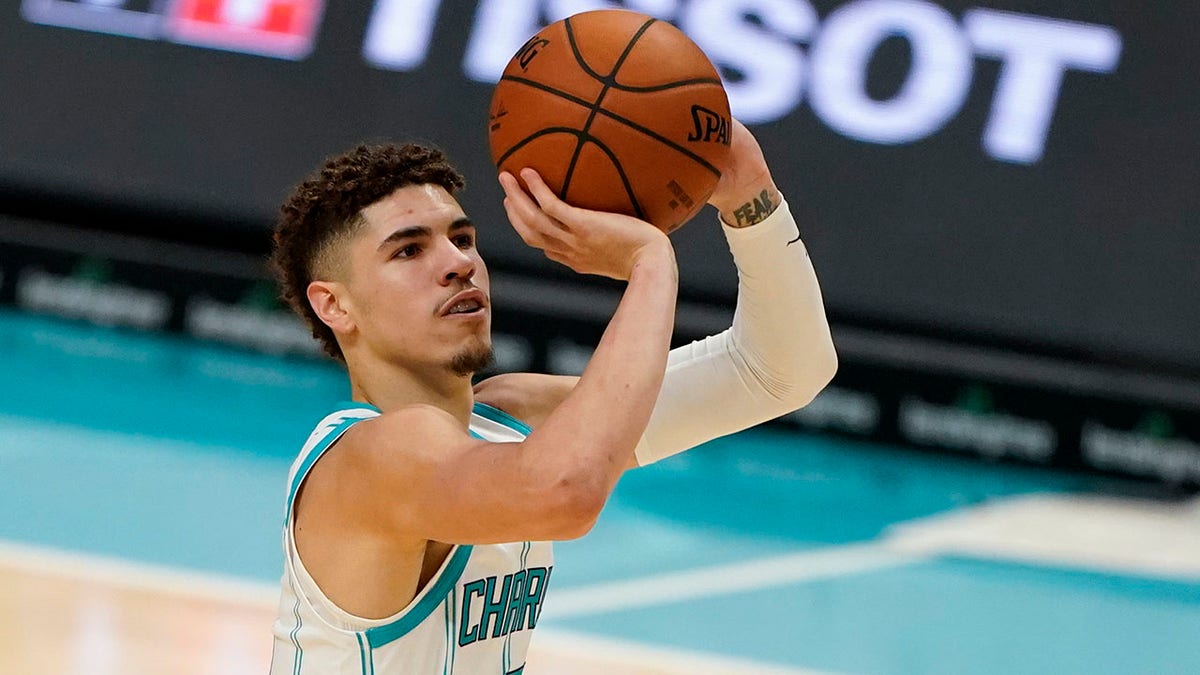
(447, 487)
(412, 480)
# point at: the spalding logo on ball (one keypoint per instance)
(617, 111)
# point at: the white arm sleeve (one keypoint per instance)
(774, 358)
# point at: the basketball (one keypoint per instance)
(617, 111)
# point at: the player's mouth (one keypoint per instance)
(467, 304)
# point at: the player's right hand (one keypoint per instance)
(589, 242)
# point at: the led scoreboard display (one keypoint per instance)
(1018, 172)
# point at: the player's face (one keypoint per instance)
(420, 289)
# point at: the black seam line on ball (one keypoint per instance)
(617, 118)
(608, 83)
(535, 135)
(617, 85)
(665, 141)
(637, 208)
(611, 79)
(548, 89)
(663, 87)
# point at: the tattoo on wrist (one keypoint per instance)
(754, 211)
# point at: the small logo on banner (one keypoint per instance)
(280, 28)
(134, 18)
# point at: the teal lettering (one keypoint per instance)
(541, 596)
(495, 609)
(516, 604)
(535, 581)
(466, 637)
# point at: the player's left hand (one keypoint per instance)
(744, 179)
(589, 242)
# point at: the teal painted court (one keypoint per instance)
(771, 546)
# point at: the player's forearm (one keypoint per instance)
(594, 431)
(779, 324)
(777, 355)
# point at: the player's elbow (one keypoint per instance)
(826, 367)
(824, 370)
(575, 506)
(816, 372)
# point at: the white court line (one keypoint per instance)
(717, 580)
(551, 647)
(1085, 532)
(1134, 537)
(121, 573)
(1081, 532)
(825, 563)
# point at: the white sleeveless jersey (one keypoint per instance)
(475, 615)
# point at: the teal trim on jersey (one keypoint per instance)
(498, 415)
(315, 454)
(298, 659)
(362, 653)
(518, 671)
(449, 636)
(475, 435)
(526, 547)
(382, 635)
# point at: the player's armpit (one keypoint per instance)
(529, 397)
(417, 474)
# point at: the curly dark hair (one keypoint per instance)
(329, 205)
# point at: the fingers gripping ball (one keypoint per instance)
(618, 112)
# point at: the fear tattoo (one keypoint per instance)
(754, 211)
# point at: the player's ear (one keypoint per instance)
(331, 303)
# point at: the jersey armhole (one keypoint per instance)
(500, 417)
(318, 450)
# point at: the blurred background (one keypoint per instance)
(1001, 200)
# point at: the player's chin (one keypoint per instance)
(473, 358)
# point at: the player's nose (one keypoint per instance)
(457, 264)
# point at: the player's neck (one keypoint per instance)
(390, 387)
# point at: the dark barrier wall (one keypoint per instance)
(1024, 173)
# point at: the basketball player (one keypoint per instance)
(419, 515)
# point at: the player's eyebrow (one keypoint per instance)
(423, 231)
(405, 233)
(461, 223)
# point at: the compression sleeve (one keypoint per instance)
(774, 358)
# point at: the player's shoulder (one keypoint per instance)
(419, 427)
(529, 397)
(413, 418)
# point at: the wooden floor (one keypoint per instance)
(51, 623)
(67, 615)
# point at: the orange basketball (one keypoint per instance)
(619, 112)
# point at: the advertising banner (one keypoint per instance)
(1013, 173)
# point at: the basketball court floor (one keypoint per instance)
(142, 481)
